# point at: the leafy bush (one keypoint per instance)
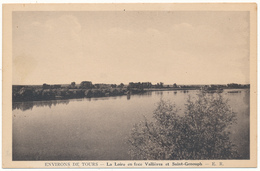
(202, 132)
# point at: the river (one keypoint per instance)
(97, 128)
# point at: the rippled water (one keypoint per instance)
(97, 128)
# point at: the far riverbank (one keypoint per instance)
(39, 94)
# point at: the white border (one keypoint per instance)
(141, 1)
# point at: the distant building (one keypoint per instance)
(86, 84)
(159, 85)
(135, 85)
(146, 84)
(56, 86)
(102, 85)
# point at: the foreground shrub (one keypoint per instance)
(201, 132)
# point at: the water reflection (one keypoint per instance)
(100, 98)
(128, 97)
(29, 105)
(183, 91)
(246, 100)
(22, 106)
(83, 123)
(145, 94)
(148, 93)
(160, 93)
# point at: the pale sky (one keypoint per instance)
(115, 47)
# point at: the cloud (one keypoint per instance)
(199, 37)
(73, 48)
(188, 37)
(66, 25)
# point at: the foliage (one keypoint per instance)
(201, 132)
(32, 93)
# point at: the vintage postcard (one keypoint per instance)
(129, 85)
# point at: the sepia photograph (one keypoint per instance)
(150, 85)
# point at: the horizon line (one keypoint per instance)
(128, 83)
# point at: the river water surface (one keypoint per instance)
(97, 128)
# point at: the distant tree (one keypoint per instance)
(88, 93)
(113, 85)
(121, 85)
(200, 133)
(73, 85)
(161, 84)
